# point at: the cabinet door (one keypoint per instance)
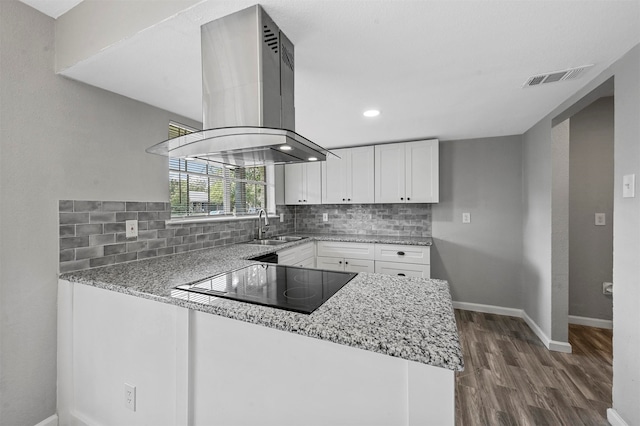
(294, 183)
(333, 177)
(422, 171)
(360, 176)
(359, 265)
(389, 173)
(309, 262)
(403, 269)
(330, 263)
(403, 254)
(348, 250)
(288, 256)
(313, 182)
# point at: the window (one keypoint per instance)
(206, 188)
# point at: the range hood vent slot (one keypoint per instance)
(270, 38)
(556, 76)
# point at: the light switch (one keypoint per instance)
(600, 219)
(466, 217)
(628, 186)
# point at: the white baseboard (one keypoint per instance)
(552, 345)
(49, 421)
(614, 418)
(488, 309)
(591, 322)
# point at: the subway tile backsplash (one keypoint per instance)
(404, 220)
(92, 233)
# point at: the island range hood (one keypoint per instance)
(248, 97)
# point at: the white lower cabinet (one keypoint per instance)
(403, 269)
(303, 256)
(345, 264)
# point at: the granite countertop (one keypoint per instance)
(365, 238)
(408, 318)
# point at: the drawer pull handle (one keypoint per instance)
(344, 199)
(346, 263)
(400, 253)
(401, 198)
(402, 275)
(340, 262)
(408, 198)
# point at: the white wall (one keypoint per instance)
(59, 140)
(481, 260)
(626, 247)
(591, 191)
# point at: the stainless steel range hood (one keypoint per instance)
(248, 97)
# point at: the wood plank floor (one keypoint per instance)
(510, 377)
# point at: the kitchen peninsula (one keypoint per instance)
(383, 350)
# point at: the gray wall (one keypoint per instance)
(590, 192)
(59, 140)
(537, 289)
(481, 260)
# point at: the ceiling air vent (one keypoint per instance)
(552, 77)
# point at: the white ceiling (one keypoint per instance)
(446, 69)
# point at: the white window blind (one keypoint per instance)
(206, 188)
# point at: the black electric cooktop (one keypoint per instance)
(286, 287)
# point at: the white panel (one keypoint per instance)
(345, 249)
(334, 170)
(389, 173)
(403, 269)
(330, 263)
(359, 265)
(361, 176)
(314, 183)
(422, 171)
(294, 183)
(403, 254)
(249, 375)
(421, 389)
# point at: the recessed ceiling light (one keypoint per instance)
(371, 113)
(286, 148)
(313, 159)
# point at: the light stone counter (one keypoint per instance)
(408, 318)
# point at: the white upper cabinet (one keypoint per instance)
(407, 172)
(350, 178)
(302, 183)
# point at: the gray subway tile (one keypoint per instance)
(143, 226)
(156, 224)
(182, 248)
(67, 255)
(195, 230)
(75, 265)
(145, 254)
(115, 249)
(113, 206)
(126, 257)
(73, 218)
(159, 206)
(166, 233)
(180, 232)
(147, 215)
(102, 217)
(189, 239)
(112, 228)
(147, 235)
(65, 205)
(73, 242)
(100, 240)
(176, 241)
(83, 230)
(102, 261)
(123, 216)
(156, 244)
(164, 215)
(89, 252)
(195, 246)
(67, 230)
(165, 251)
(201, 238)
(136, 206)
(87, 206)
(137, 246)
(121, 237)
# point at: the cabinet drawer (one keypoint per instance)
(403, 254)
(330, 263)
(294, 255)
(309, 262)
(345, 250)
(359, 265)
(403, 269)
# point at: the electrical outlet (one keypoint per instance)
(131, 228)
(466, 217)
(130, 396)
(325, 217)
(600, 219)
(281, 217)
(629, 186)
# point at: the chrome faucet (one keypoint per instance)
(261, 228)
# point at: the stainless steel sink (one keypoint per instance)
(274, 241)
